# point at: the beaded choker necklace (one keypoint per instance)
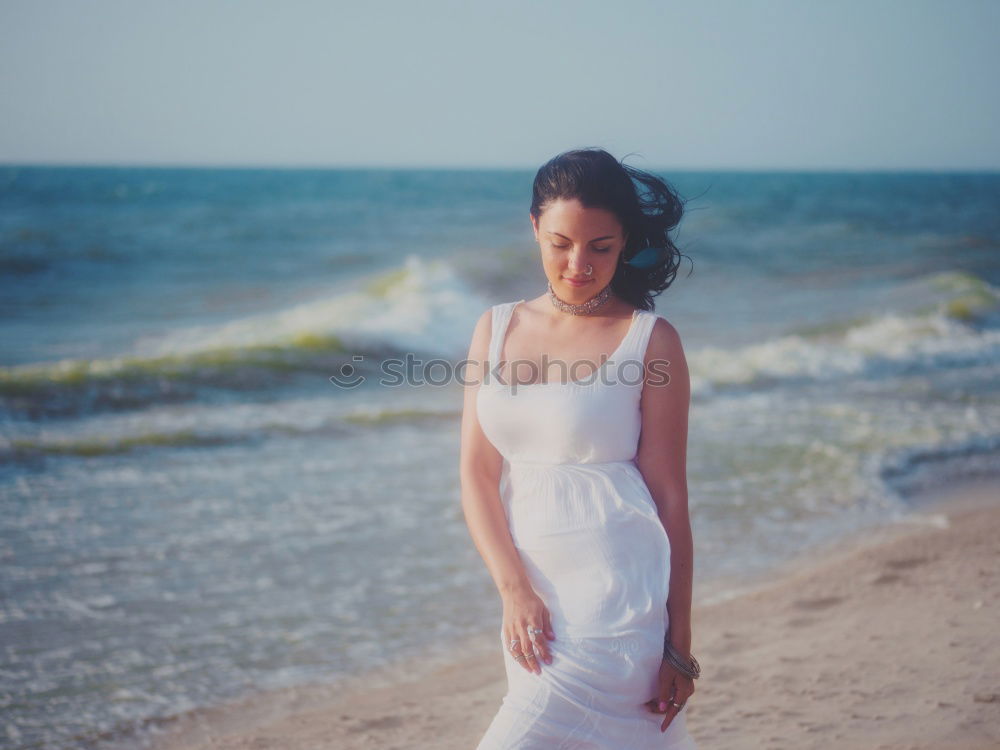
(583, 308)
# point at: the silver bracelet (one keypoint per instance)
(676, 659)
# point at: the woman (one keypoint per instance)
(573, 477)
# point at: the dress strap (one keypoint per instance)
(501, 314)
(638, 343)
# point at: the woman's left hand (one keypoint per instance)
(674, 686)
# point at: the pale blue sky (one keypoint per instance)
(812, 84)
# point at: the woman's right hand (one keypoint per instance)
(523, 609)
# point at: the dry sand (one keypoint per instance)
(887, 640)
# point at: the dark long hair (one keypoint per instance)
(647, 207)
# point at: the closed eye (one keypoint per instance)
(598, 249)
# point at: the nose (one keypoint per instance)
(577, 263)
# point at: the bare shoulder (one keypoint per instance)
(481, 331)
(665, 341)
(666, 364)
(485, 319)
(476, 360)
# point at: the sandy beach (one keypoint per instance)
(887, 640)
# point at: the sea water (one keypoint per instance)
(190, 510)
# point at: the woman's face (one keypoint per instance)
(570, 237)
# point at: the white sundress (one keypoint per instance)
(587, 530)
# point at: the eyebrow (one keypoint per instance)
(596, 239)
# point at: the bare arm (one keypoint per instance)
(480, 465)
(662, 460)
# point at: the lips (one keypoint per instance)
(577, 281)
